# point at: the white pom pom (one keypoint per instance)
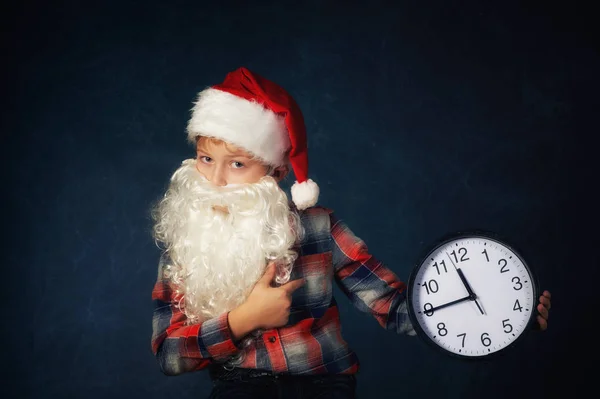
(305, 194)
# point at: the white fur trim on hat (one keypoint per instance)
(243, 123)
(305, 194)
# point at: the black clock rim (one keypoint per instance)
(490, 235)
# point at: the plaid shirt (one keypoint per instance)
(311, 342)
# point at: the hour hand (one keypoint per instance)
(472, 295)
(462, 277)
(466, 283)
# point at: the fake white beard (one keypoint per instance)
(215, 257)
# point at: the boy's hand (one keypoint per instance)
(268, 306)
(543, 308)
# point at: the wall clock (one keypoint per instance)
(472, 295)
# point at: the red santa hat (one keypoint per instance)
(259, 116)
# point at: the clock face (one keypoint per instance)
(472, 296)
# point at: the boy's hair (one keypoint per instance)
(232, 148)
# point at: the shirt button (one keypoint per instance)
(272, 339)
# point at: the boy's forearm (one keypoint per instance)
(240, 323)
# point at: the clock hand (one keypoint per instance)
(466, 283)
(472, 295)
(447, 304)
(462, 277)
(477, 303)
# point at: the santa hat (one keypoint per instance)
(259, 116)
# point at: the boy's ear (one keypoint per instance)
(280, 172)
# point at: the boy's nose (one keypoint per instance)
(218, 177)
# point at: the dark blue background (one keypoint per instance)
(423, 118)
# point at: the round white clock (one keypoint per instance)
(472, 295)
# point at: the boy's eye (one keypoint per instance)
(206, 159)
(237, 165)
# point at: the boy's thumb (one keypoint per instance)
(269, 274)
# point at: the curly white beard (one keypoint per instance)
(215, 258)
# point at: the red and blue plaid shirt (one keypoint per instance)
(311, 342)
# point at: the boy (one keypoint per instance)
(244, 287)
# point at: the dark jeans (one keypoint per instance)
(239, 385)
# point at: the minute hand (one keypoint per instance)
(448, 304)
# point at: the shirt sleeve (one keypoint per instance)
(370, 285)
(180, 347)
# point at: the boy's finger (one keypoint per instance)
(543, 311)
(543, 324)
(545, 301)
(293, 285)
(547, 294)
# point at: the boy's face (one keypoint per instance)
(212, 231)
(223, 164)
